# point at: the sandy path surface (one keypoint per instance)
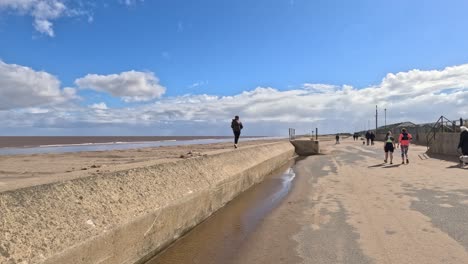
(20, 171)
(349, 207)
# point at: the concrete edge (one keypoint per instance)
(137, 233)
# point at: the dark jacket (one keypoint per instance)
(236, 125)
(463, 143)
(368, 135)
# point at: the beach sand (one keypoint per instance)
(21, 171)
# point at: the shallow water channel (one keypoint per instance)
(219, 238)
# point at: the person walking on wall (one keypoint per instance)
(236, 126)
(389, 147)
(463, 143)
(404, 141)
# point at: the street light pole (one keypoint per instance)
(385, 110)
(376, 119)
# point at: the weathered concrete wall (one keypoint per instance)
(127, 216)
(306, 147)
(445, 143)
(418, 138)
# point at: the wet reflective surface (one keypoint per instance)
(219, 238)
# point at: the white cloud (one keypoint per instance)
(418, 96)
(99, 106)
(197, 84)
(130, 2)
(320, 88)
(131, 86)
(43, 12)
(24, 87)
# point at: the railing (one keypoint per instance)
(442, 125)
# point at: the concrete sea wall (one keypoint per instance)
(127, 216)
(443, 143)
(306, 147)
(446, 144)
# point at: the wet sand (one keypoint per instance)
(19, 142)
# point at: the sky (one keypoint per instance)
(173, 67)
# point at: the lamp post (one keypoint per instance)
(376, 116)
(385, 110)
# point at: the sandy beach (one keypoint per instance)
(21, 171)
(19, 142)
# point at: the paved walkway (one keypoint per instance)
(349, 207)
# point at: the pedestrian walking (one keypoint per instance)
(463, 143)
(337, 137)
(368, 136)
(389, 147)
(404, 142)
(372, 138)
(236, 126)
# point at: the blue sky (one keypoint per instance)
(227, 48)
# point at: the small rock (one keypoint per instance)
(84, 168)
(91, 223)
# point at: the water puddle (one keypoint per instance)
(219, 238)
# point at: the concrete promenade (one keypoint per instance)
(348, 207)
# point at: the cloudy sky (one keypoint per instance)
(135, 67)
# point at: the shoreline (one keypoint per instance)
(38, 141)
(20, 171)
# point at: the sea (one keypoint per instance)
(19, 145)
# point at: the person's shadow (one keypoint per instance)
(377, 165)
(392, 166)
(383, 165)
(457, 166)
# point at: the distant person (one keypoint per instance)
(463, 143)
(236, 126)
(389, 146)
(372, 137)
(337, 137)
(368, 135)
(404, 142)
